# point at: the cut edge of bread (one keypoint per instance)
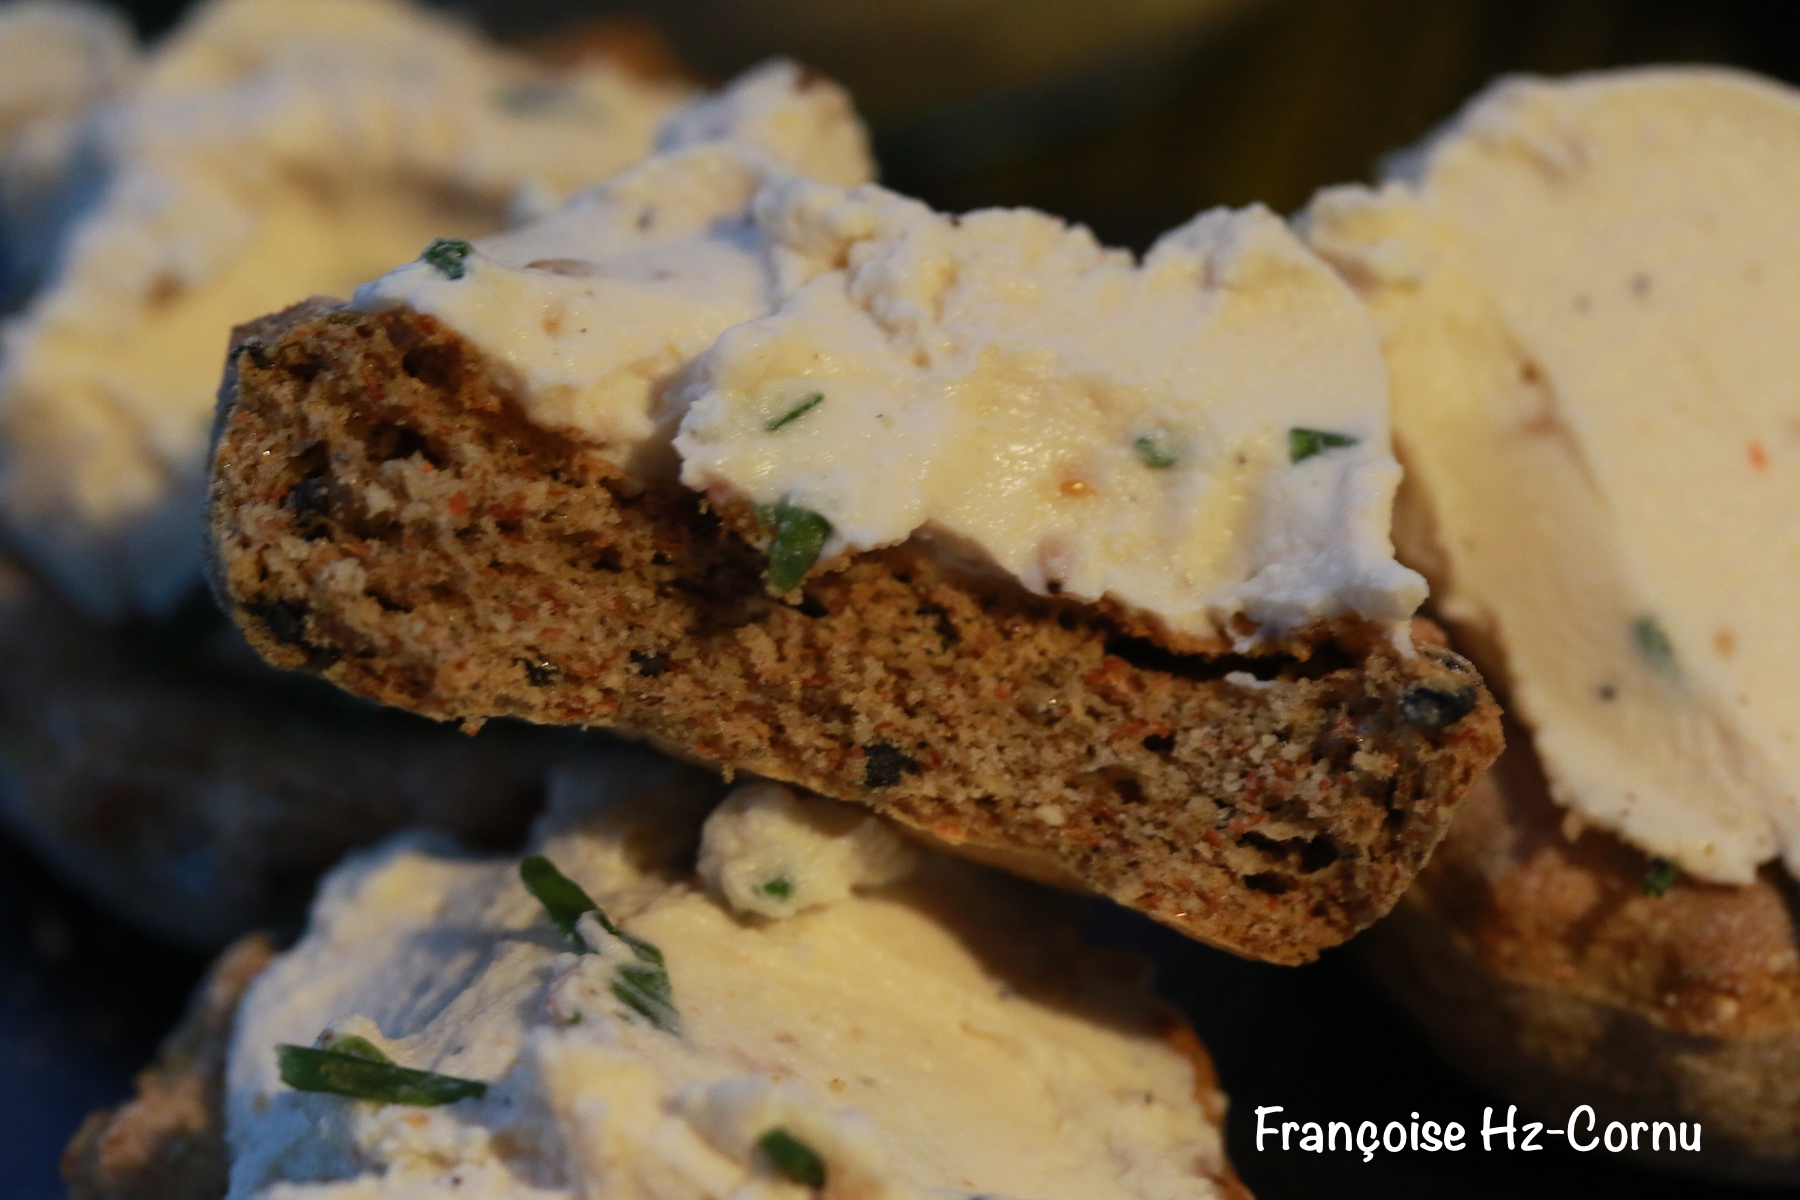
(384, 514)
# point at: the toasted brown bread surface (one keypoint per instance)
(384, 514)
(1541, 966)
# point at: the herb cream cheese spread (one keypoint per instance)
(267, 150)
(822, 1009)
(1589, 297)
(1196, 437)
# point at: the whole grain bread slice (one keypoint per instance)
(383, 514)
(1543, 965)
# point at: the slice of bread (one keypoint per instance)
(1542, 967)
(383, 514)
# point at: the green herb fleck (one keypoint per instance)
(795, 413)
(561, 897)
(642, 986)
(354, 1046)
(353, 1072)
(1304, 443)
(1653, 643)
(574, 1018)
(448, 256)
(1156, 450)
(645, 990)
(1660, 876)
(792, 1158)
(800, 534)
(534, 97)
(778, 888)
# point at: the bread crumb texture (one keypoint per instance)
(384, 514)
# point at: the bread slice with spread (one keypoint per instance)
(1585, 289)
(1074, 562)
(820, 1003)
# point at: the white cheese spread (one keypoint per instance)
(268, 150)
(1195, 437)
(1587, 295)
(592, 311)
(936, 1034)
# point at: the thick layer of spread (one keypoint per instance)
(268, 150)
(1586, 292)
(934, 1034)
(1195, 437)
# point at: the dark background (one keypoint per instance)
(1284, 98)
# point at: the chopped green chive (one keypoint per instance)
(348, 1073)
(642, 986)
(1156, 450)
(778, 888)
(1660, 876)
(448, 255)
(1653, 643)
(800, 534)
(354, 1046)
(792, 1158)
(795, 413)
(561, 897)
(645, 990)
(1304, 443)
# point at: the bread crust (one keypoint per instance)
(1540, 966)
(197, 793)
(383, 514)
(168, 1141)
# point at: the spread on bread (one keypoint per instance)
(1195, 439)
(593, 310)
(1585, 290)
(267, 150)
(917, 1027)
(520, 476)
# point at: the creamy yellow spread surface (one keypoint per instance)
(1196, 437)
(923, 1026)
(1589, 297)
(268, 150)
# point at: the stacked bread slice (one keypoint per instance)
(1585, 290)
